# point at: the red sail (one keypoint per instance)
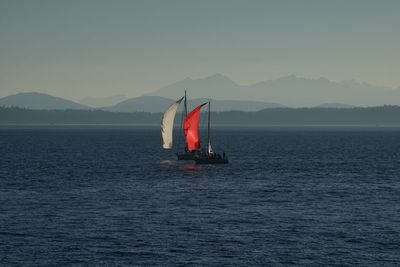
(191, 128)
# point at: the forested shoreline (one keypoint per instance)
(383, 115)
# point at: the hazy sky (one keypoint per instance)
(77, 48)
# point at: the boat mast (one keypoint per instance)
(184, 117)
(185, 105)
(208, 126)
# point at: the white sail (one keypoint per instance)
(167, 124)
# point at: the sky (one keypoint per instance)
(78, 48)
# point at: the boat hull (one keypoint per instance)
(210, 160)
(185, 156)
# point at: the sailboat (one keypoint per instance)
(209, 156)
(193, 150)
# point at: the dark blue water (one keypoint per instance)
(93, 196)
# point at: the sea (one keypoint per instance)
(111, 196)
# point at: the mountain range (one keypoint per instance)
(289, 91)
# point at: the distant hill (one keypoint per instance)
(156, 104)
(216, 87)
(142, 104)
(335, 105)
(39, 101)
(98, 102)
(290, 91)
(229, 105)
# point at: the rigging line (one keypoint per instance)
(203, 127)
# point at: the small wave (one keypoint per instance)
(168, 162)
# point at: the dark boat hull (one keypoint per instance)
(185, 156)
(210, 160)
(200, 158)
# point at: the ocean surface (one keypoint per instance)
(111, 196)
